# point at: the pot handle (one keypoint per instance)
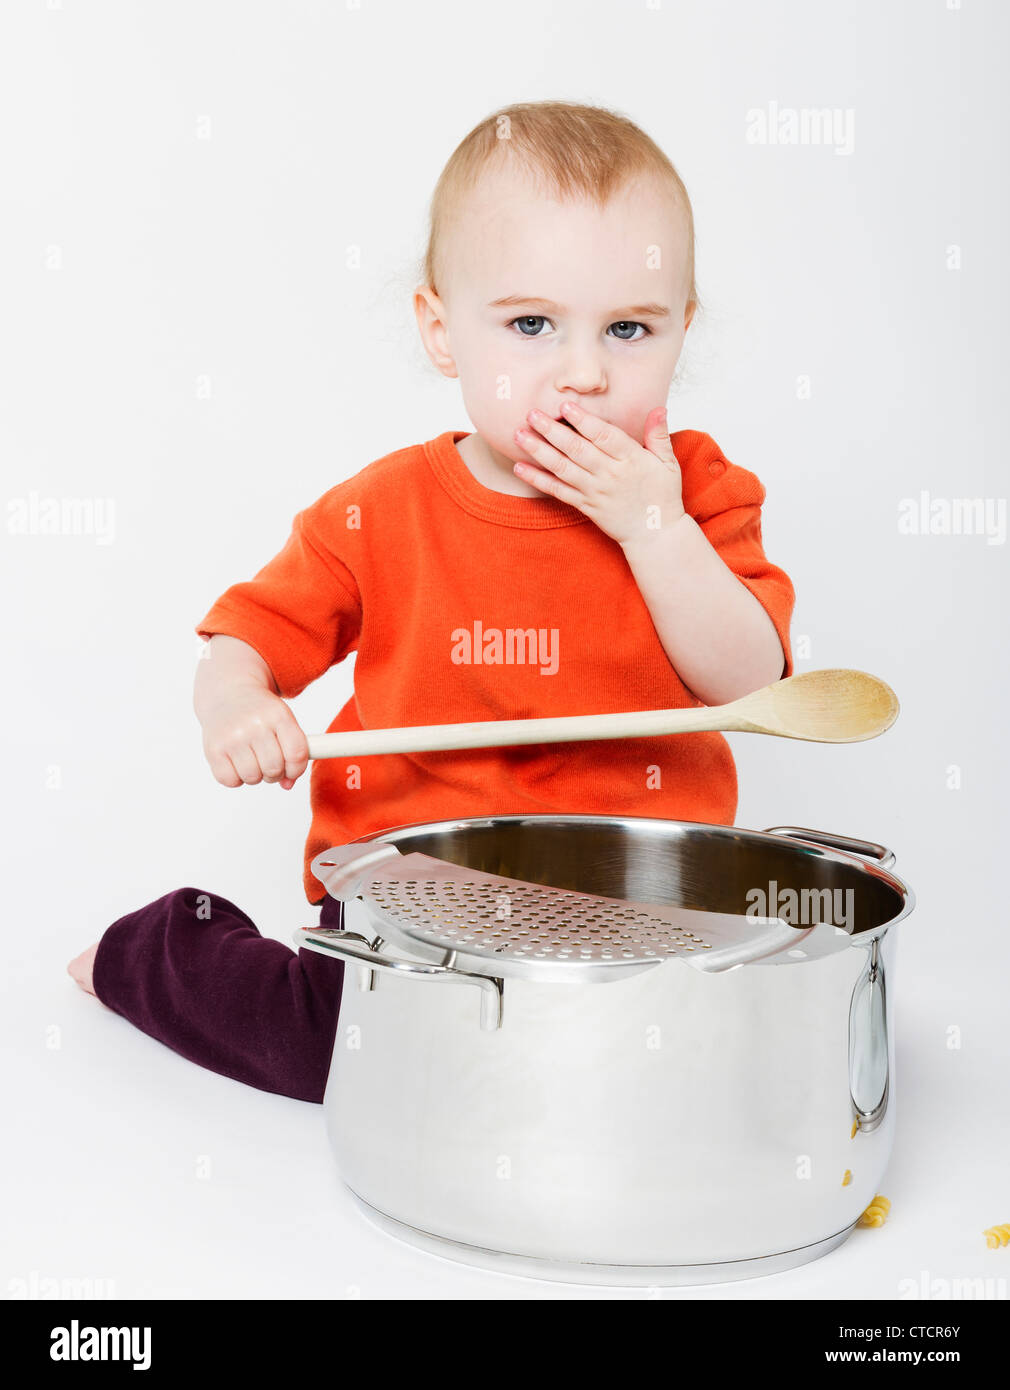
(349, 945)
(869, 1080)
(867, 848)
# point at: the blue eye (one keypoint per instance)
(626, 324)
(527, 322)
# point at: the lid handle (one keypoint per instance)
(342, 869)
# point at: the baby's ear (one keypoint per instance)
(431, 323)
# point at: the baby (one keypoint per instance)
(569, 556)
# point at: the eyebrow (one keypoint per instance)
(640, 310)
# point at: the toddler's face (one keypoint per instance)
(596, 307)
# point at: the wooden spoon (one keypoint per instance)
(820, 706)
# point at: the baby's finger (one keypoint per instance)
(269, 756)
(224, 769)
(295, 747)
(246, 765)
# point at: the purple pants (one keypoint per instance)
(192, 970)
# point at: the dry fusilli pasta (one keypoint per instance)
(876, 1213)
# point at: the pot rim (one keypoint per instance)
(867, 866)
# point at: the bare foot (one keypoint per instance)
(82, 968)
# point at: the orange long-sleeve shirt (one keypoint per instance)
(466, 604)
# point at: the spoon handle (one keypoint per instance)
(494, 733)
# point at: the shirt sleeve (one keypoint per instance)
(726, 501)
(301, 612)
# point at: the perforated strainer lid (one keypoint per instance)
(507, 927)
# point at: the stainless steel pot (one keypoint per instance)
(662, 1125)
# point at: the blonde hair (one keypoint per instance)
(581, 151)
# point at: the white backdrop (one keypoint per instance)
(184, 350)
